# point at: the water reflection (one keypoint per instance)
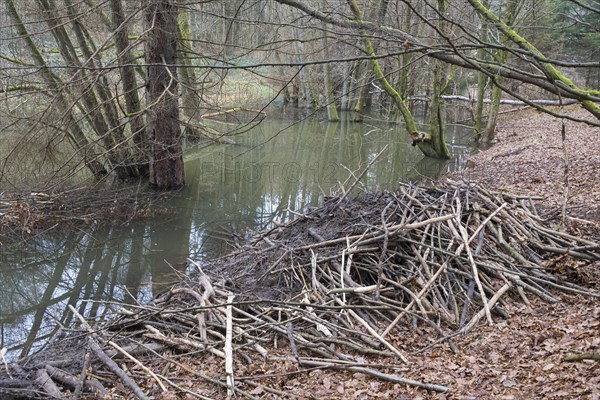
(231, 189)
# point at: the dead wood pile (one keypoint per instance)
(26, 214)
(345, 282)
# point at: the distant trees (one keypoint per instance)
(459, 46)
(109, 87)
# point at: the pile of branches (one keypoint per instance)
(346, 281)
(26, 214)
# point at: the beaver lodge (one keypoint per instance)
(361, 285)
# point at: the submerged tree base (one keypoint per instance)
(359, 285)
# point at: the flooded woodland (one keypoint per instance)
(233, 191)
(299, 199)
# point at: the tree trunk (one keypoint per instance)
(361, 87)
(436, 123)
(76, 135)
(501, 58)
(91, 105)
(120, 151)
(363, 75)
(423, 141)
(332, 112)
(489, 133)
(130, 92)
(190, 99)
(306, 96)
(482, 80)
(553, 74)
(163, 129)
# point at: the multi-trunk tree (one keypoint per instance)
(530, 67)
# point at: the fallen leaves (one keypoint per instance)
(538, 167)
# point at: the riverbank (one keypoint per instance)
(528, 158)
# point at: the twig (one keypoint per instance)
(373, 161)
(116, 369)
(583, 356)
(142, 366)
(481, 313)
(95, 347)
(375, 373)
(412, 303)
(228, 347)
(374, 333)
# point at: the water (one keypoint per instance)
(232, 190)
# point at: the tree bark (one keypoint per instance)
(163, 129)
(130, 92)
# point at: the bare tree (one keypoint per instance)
(96, 83)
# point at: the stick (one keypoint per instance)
(481, 313)
(142, 366)
(2, 353)
(465, 238)
(375, 373)
(44, 380)
(116, 369)
(373, 161)
(372, 235)
(413, 301)
(584, 356)
(485, 221)
(228, 348)
(374, 333)
(73, 382)
(208, 292)
(95, 347)
(184, 343)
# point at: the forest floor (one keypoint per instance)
(527, 158)
(522, 357)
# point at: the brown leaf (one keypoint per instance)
(258, 390)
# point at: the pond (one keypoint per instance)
(233, 190)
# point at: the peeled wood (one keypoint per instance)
(44, 380)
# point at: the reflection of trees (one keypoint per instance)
(131, 263)
(104, 265)
(295, 163)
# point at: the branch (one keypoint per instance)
(453, 56)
